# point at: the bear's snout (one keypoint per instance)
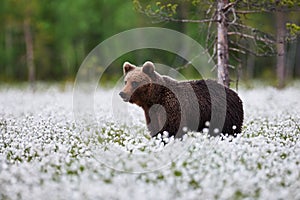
(124, 96)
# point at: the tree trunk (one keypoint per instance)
(8, 52)
(281, 54)
(29, 52)
(222, 45)
(297, 62)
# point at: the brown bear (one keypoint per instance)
(179, 106)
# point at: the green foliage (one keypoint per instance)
(267, 5)
(288, 3)
(155, 8)
(64, 32)
(294, 29)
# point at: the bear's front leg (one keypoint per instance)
(156, 118)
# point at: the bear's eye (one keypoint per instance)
(134, 84)
(125, 82)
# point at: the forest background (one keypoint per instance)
(47, 40)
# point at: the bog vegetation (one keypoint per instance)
(45, 154)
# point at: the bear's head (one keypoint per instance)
(138, 82)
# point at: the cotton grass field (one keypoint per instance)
(45, 154)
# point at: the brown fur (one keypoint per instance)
(170, 105)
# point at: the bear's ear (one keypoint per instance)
(148, 68)
(127, 67)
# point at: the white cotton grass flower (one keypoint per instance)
(185, 129)
(205, 130)
(216, 130)
(43, 151)
(207, 123)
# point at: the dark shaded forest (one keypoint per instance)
(48, 40)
